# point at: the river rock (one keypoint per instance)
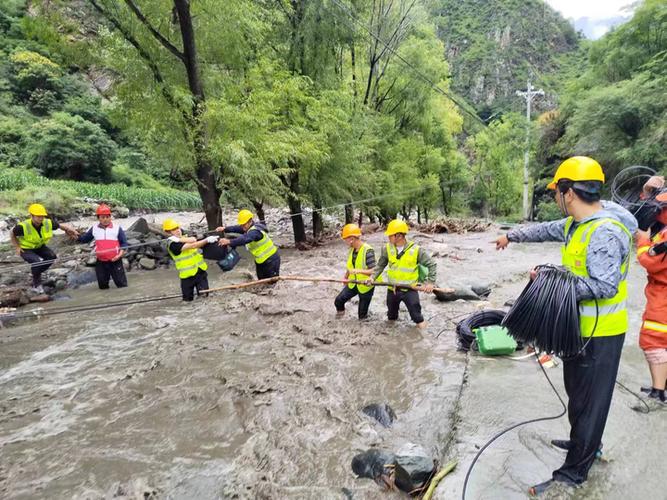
(140, 226)
(91, 261)
(60, 284)
(413, 468)
(121, 211)
(83, 277)
(13, 297)
(381, 412)
(373, 463)
(59, 272)
(147, 263)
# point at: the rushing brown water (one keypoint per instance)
(257, 394)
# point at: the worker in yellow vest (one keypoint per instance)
(30, 239)
(255, 237)
(359, 267)
(187, 255)
(402, 258)
(597, 243)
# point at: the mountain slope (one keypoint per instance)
(493, 46)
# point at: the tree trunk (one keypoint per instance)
(295, 209)
(259, 211)
(426, 215)
(318, 223)
(349, 214)
(207, 184)
(419, 215)
(445, 208)
(360, 220)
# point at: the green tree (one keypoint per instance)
(69, 147)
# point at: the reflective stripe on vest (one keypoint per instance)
(107, 245)
(263, 249)
(359, 263)
(32, 238)
(612, 313)
(188, 262)
(403, 270)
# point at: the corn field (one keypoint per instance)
(131, 197)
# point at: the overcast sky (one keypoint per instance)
(599, 9)
(598, 12)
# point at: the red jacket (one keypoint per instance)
(653, 334)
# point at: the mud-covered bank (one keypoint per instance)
(257, 394)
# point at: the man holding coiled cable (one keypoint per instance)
(597, 240)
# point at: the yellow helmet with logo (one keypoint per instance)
(37, 209)
(396, 226)
(578, 168)
(170, 225)
(351, 230)
(243, 217)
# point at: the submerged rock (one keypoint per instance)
(78, 278)
(373, 464)
(414, 468)
(381, 412)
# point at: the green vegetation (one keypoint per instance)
(292, 103)
(615, 110)
(17, 187)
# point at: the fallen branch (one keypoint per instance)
(438, 477)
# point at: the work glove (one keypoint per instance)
(175, 239)
(660, 248)
(212, 239)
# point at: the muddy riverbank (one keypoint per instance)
(257, 394)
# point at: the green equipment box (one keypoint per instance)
(494, 340)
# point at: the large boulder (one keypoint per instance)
(414, 468)
(77, 278)
(139, 226)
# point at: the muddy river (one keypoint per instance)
(257, 393)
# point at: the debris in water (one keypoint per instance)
(381, 412)
(374, 464)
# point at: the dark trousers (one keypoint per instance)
(589, 383)
(107, 269)
(38, 255)
(268, 269)
(198, 281)
(411, 300)
(346, 295)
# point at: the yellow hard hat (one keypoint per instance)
(578, 168)
(350, 230)
(396, 226)
(37, 209)
(243, 217)
(170, 225)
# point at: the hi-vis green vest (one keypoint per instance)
(32, 238)
(359, 263)
(403, 271)
(188, 262)
(262, 249)
(612, 313)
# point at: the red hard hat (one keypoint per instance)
(103, 210)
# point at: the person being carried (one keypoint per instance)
(360, 264)
(187, 255)
(30, 239)
(255, 237)
(402, 258)
(597, 241)
(110, 245)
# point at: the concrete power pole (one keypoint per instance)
(528, 95)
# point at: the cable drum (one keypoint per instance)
(464, 329)
(546, 314)
(626, 190)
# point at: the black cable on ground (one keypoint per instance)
(648, 409)
(512, 427)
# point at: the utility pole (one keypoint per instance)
(528, 95)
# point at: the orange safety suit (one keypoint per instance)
(653, 333)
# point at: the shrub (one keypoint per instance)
(57, 200)
(69, 147)
(31, 71)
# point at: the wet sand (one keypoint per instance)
(257, 394)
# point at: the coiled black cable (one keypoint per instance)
(546, 314)
(464, 329)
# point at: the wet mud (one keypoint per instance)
(259, 393)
